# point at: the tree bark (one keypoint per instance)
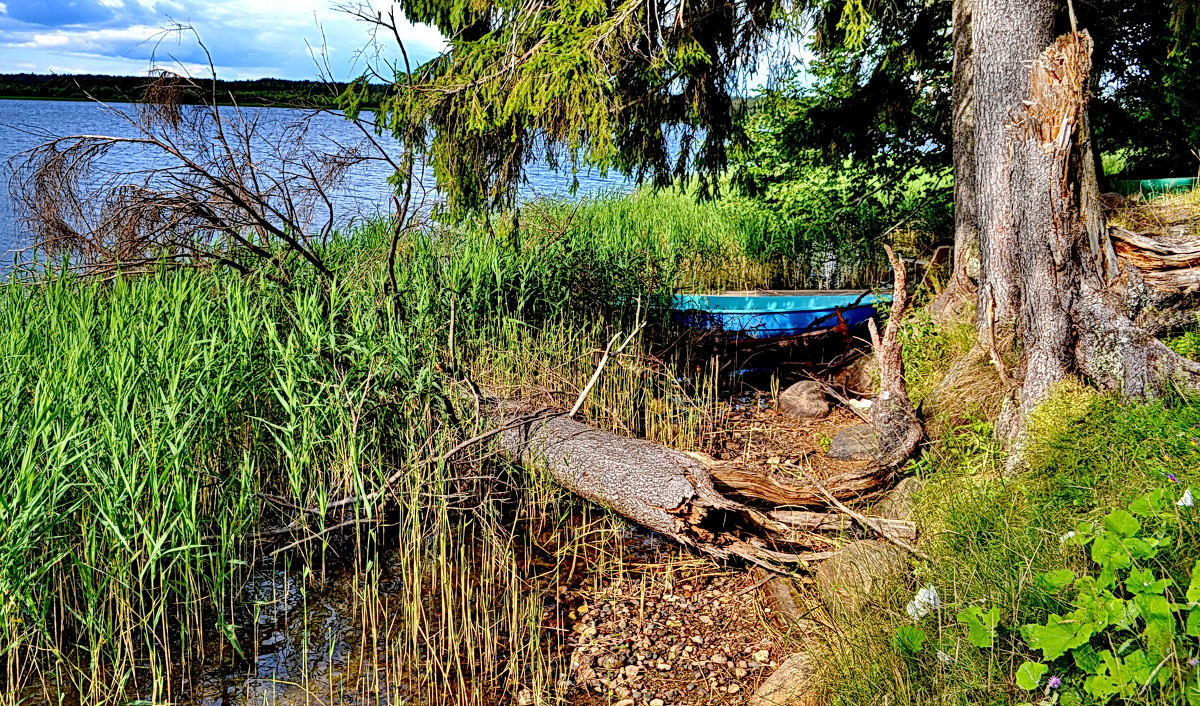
(964, 278)
(1006, 36)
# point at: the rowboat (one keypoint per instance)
(764, 315)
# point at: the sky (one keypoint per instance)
(246, 38)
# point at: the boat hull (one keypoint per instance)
(767, 316)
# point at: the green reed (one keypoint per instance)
(152, 427)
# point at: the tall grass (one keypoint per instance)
(167, 438)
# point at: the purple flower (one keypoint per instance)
(1053, 682)
(1171, 477)
(1193, 662)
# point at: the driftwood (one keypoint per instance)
(836, 522)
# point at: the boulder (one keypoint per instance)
(805, 400)
(898, 504)
(856, 443)
(847, 582)
(792, 684)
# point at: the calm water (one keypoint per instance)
(366, 191)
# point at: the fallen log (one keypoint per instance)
(659, 488)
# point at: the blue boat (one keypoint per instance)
(776, 314)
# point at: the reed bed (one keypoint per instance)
(167, 438)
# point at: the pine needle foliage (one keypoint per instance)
(609, 85)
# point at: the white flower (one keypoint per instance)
(1187, 500)
(943, 657)
(1066, 537)
(926, 600)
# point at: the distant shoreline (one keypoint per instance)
(259, 93)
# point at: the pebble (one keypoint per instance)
(631, 670)
(733, 688)
(624, 702)
(611, 661)
(657, 702)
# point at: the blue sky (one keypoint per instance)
(247, 38)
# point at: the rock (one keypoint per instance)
(656, 702)
(898, 504)
(848, 581)
(790, 685)
(856, 443)
(859, 377)
(624, 702)
(611, 661)
(805, 400)
(525, 697)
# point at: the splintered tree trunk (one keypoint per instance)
(1071, 320)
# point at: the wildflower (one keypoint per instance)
(1193, 662)
(1066, 537)
(926, 600)
(943, 657)
(1053, 682)
(1171, 477)
(1187, 500)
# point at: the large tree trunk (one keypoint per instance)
(964, 278)
(1073, 319)
(1007, 35)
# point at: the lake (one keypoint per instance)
(23, 124)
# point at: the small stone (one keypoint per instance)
(761, 655)
(524, 697)
(733, 688)
(624, 702)
(663, 667)
(657, 702)
(611, 661)
(856, 443)
(631, 670)
(719, 658)
(805, 400)
(739, 672)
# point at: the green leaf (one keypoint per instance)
(1160, 622)
(1029, 675)
(1150, 504)
(981, 625)
(1122, 522)
(1086, 659)
(909, 640)
(1192, 627)
(1193, 591)
(1057, 636)
(1142, 581)
(1055, 581)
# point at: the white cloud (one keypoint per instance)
(246, 39)
(3, 9)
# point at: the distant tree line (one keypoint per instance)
(262, 91)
